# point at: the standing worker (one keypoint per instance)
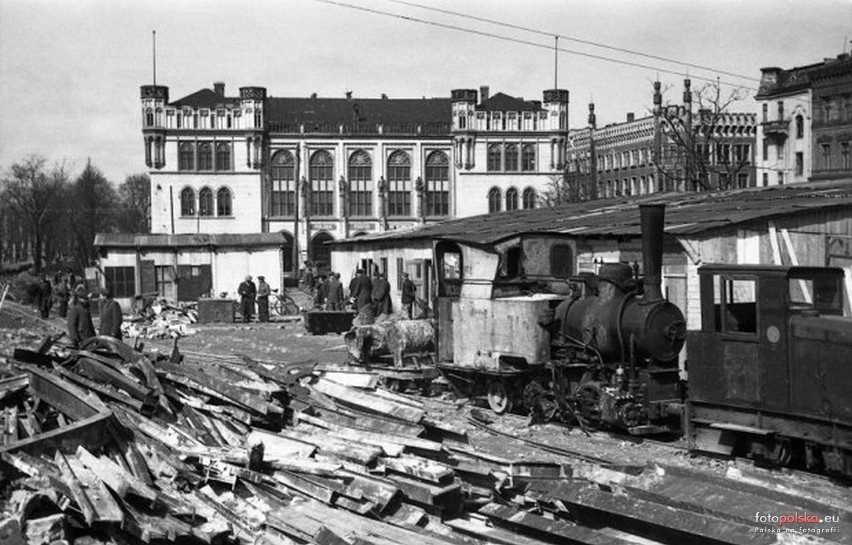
(360, 290)
(247, 291)
(46, 301)
(80, 326)
(334, 295)
(63, 294)
(381, 296)
(263, 292)
(110, 315)
(409, 293)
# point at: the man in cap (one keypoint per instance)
(247, 291)
(263, 292)
(409, 294)
(111, 317)
(334, 297)
(360, 289)
(381, 296)
(80, 326)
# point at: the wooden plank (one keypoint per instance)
(373, 437)
(115, 477)
(304, 486)
(477, 527)
(347, 450)
(369, 402)
(87, 490)
(235, 394)
(359, 437)
(279, 448)
(377, 490)
(420, 468)
(363, 421)
(536, 526)
(367, 381)
(308, 465)
(444, 496)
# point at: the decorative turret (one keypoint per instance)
(252, 104)
(154, 100)
(464, 106)
(556, 104)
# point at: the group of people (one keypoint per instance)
(79, 316)
(330, 295)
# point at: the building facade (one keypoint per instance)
(321, 169)
(651, 154)
(806, 122)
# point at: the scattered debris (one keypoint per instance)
(160, 319)
(109, 444)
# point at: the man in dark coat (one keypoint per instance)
(334, 297)
(110, 315)
(360, 290)
(381, 296)
(247, 291)
(80, 326)
(263, 293)
(46, 301)
(63, 294)
(322, 292)
(409, 293)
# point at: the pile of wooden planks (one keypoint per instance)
(114, 445)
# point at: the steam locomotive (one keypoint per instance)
(768, 371)
(605, 353)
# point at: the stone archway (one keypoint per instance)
(320, 252)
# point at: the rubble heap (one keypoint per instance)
(107, 443)
(161, 320)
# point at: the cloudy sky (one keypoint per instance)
(70, 71)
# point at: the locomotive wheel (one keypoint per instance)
(498, 397)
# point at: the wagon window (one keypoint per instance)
(561, 261)
(819, 292)
(735, 302)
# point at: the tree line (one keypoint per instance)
(49, 217)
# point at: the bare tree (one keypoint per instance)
(699, 148)
(566, 187)
(135, 197)
(33, 190)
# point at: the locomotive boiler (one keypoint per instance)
(629, 337)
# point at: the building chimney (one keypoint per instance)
(483, 93)
(384, 96)
(348, 94)
(652, 218)
(631, 117)
(219, 88)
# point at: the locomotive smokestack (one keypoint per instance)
(652, 217)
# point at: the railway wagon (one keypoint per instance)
(770, 370)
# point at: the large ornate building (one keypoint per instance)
(318, 169)
(805, 131)
(650, 154)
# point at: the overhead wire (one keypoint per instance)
(573, 39)
(524, 42)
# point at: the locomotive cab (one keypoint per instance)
(768, 371)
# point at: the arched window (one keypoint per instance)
(511, 157)
(437, 184)
(800, 126)
(186, 156)
(512, 198)
(399, 184)
(320, 252)
(223, 202)
(494, 200)
(529, 198)
(283, 172)
(223, 156)
(360, 184)
(205, 156)
(205, 202)
(187, 202)
(528, 158)
(495, 158)
(149, 117)
(322, 183)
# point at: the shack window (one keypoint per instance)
(735, 304)
(820, 292)
(122, 280)
(449, 269)
(561, 261)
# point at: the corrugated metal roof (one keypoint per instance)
(686, 214)
(129, 240)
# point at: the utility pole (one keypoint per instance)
(593, 156)
(689, 137)
(658, 137)
(556, 62)
(154, 47)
